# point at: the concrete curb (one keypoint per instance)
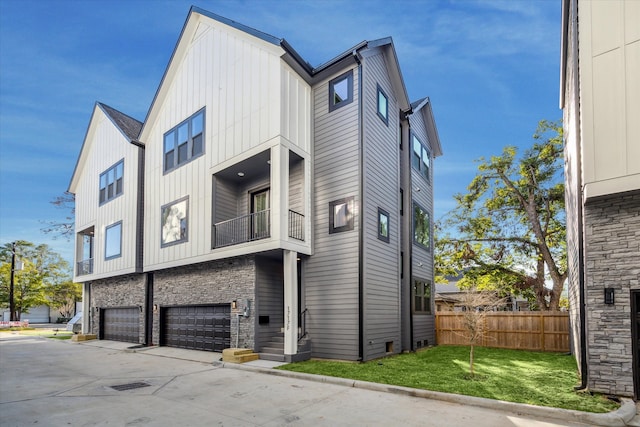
(618, 418)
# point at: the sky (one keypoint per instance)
(489, 67)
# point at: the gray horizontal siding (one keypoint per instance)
(424, 327)
(269, 298)
(331, 274)
(381, 274)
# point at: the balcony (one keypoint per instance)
(246, 228)
(252, 227)
(84, 267)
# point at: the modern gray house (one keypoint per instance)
(262, 203)
(600, 96)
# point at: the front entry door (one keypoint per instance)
(635, 339)
(260, 215)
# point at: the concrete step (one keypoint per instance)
(273, 357)
(83, 337)
(275, 349)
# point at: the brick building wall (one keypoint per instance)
(612, 240)
(120, 291)
(215, 282)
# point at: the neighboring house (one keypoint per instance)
(262, 203)
(600, 96)
(449, 297)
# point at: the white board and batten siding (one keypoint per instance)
(331, 274)
(238, 80)
(106, 146)
(422, 259)
(381, 188)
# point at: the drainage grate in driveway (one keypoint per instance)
(130, 386)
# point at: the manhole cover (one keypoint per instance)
(129, 386)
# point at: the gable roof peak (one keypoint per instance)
(129, 126)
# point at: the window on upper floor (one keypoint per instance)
(341, 91)
(113, 241)
(174, 222)
(112, 182)
(421, 157)
(383, 106)
(383, 225)
(184, 142)
(341, 215)
(421, 226)
(421, 296)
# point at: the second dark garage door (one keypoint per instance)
(196, 327)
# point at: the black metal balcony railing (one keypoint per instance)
(84, 267)
(243, 229)
(296, 225)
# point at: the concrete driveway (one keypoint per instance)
(47, 382)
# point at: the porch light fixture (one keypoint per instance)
(240, 174)
(609, 297)
(234, 304)
(155, 308)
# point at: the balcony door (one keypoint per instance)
(260, 214)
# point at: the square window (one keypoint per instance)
(421, 227)
(383, 225)
(111, 182)
(113, 241)
(383, 106)
(341, 91)
(174, 222)
(341, 215)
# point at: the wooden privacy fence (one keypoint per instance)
(522, 330)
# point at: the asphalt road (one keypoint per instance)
(45, 382)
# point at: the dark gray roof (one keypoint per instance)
(129, 126)
(415, 104)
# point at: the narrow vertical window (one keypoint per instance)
(421, 296)
(113, 241)
(421, 227)
(341, 91)
(383, 106)
(383, 225)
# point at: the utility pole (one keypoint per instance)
(12, 308)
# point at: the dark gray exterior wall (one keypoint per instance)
(421, 258)
(612, 248)
(121, 291)
(215, 282)
(269, 298)
(381, 187)
(225, 204)
(331, 274)
(296, 187)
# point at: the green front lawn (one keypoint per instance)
(544, 379)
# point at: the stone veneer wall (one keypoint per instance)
(215, 282)
(612, 239)
(120, 291)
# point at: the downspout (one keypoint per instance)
(360, 213)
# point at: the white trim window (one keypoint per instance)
(383, 106)
(184, 142)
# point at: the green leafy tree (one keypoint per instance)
(42, 269)
(507, 233)
(64, 296)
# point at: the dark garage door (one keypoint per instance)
(120, 324)
(197, 327)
